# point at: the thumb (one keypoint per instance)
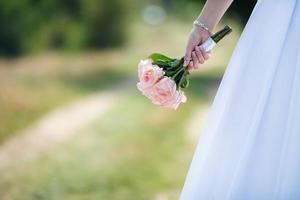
(187, 56)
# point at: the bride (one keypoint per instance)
(249, 148)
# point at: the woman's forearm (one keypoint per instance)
(213, 11)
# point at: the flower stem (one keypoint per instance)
(177, 72)
(183, 77)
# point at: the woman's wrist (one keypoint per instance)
(207, 22)
(212, 12)
(198, 23)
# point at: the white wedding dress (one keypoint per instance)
(249, 148)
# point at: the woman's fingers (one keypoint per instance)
(200, 55)
(190, 65)
(196, 61)
(206, 54)
(187, 56)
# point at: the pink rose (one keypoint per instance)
(164, 93)
(148, 75)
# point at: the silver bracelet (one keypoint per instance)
(200, 24)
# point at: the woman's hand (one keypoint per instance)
(194, 55)
(211, 14)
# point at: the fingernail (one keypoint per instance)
(185, 63)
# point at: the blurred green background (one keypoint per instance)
(72, 123)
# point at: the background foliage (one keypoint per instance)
(29, 25)
(34, 25)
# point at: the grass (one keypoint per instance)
(139, 156)
(25, 98)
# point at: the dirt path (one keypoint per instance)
(59, 125)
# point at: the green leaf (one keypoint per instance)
(174, 63)
(160, 62)
(157, 56)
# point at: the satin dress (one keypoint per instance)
(249, 148)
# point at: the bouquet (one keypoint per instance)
(162, 79)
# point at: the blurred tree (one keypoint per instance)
(32, 25)
(11, 27)
(29, 25)
(104, 18)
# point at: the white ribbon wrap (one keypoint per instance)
(208, 44)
